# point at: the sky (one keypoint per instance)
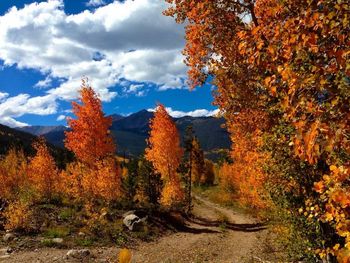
(128, 50)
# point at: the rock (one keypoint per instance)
(57, 240)
(133, 222)
(8, 237)
(78, 253)
(131, 212)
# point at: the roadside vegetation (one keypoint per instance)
(85, 203)
(282, 78)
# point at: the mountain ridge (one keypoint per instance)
(130, 132)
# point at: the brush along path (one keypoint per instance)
(213, 234)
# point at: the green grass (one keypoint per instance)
(120, 240)
(56, 232)
(67, 213)
(84, 242)
(219, 196)
(48, 243)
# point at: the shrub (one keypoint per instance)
(18, 216)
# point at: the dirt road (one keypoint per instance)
(215, 234)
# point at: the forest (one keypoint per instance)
(282, 72)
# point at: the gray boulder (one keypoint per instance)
(78, 253)
(131, 212)
(57, 240)
(133, 222)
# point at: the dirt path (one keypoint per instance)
(214, 234)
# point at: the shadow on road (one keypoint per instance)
(235, 227)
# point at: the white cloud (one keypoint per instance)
(17, 106)
(139, 90)
(130, 39)
(8, 121)
(95, 3)
(61, 117)
(3, 95)
(135, 87)
(194, 113)
(43, 83)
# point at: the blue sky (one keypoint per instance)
(130, 52)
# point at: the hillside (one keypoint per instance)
(14, 138)
(10, 137)
(131, 132)
(40, 130)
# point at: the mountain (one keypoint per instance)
(53, 134)
(41, 130)
(13, 138)
(116, 117)
(131, 132)
(10, 137)
(137, 122)
(209, 131)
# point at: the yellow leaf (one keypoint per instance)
(267, 81)
(333, 168)
(124, 256)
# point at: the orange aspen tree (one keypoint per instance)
(108, 179)
(101, 181)
(290, 60)
(90, 138)
(43, 173)
(165, 153)
(13, 174)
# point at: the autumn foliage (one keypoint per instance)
(93, 177)
(245, 177)
(165, 153)
(287, 61)
(13, 174)
(42, 171)
(90, 138)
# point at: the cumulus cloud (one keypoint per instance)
(3, 95)
(133, 41)
(17, 106)
(124, 40)
(43, 83)
(61, 117)
(95, 3)
(12, 122)
(194, 113)
(139, 90)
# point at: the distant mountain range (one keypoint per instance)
(13, 138)
(131, 132)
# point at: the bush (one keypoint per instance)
(18, 216)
